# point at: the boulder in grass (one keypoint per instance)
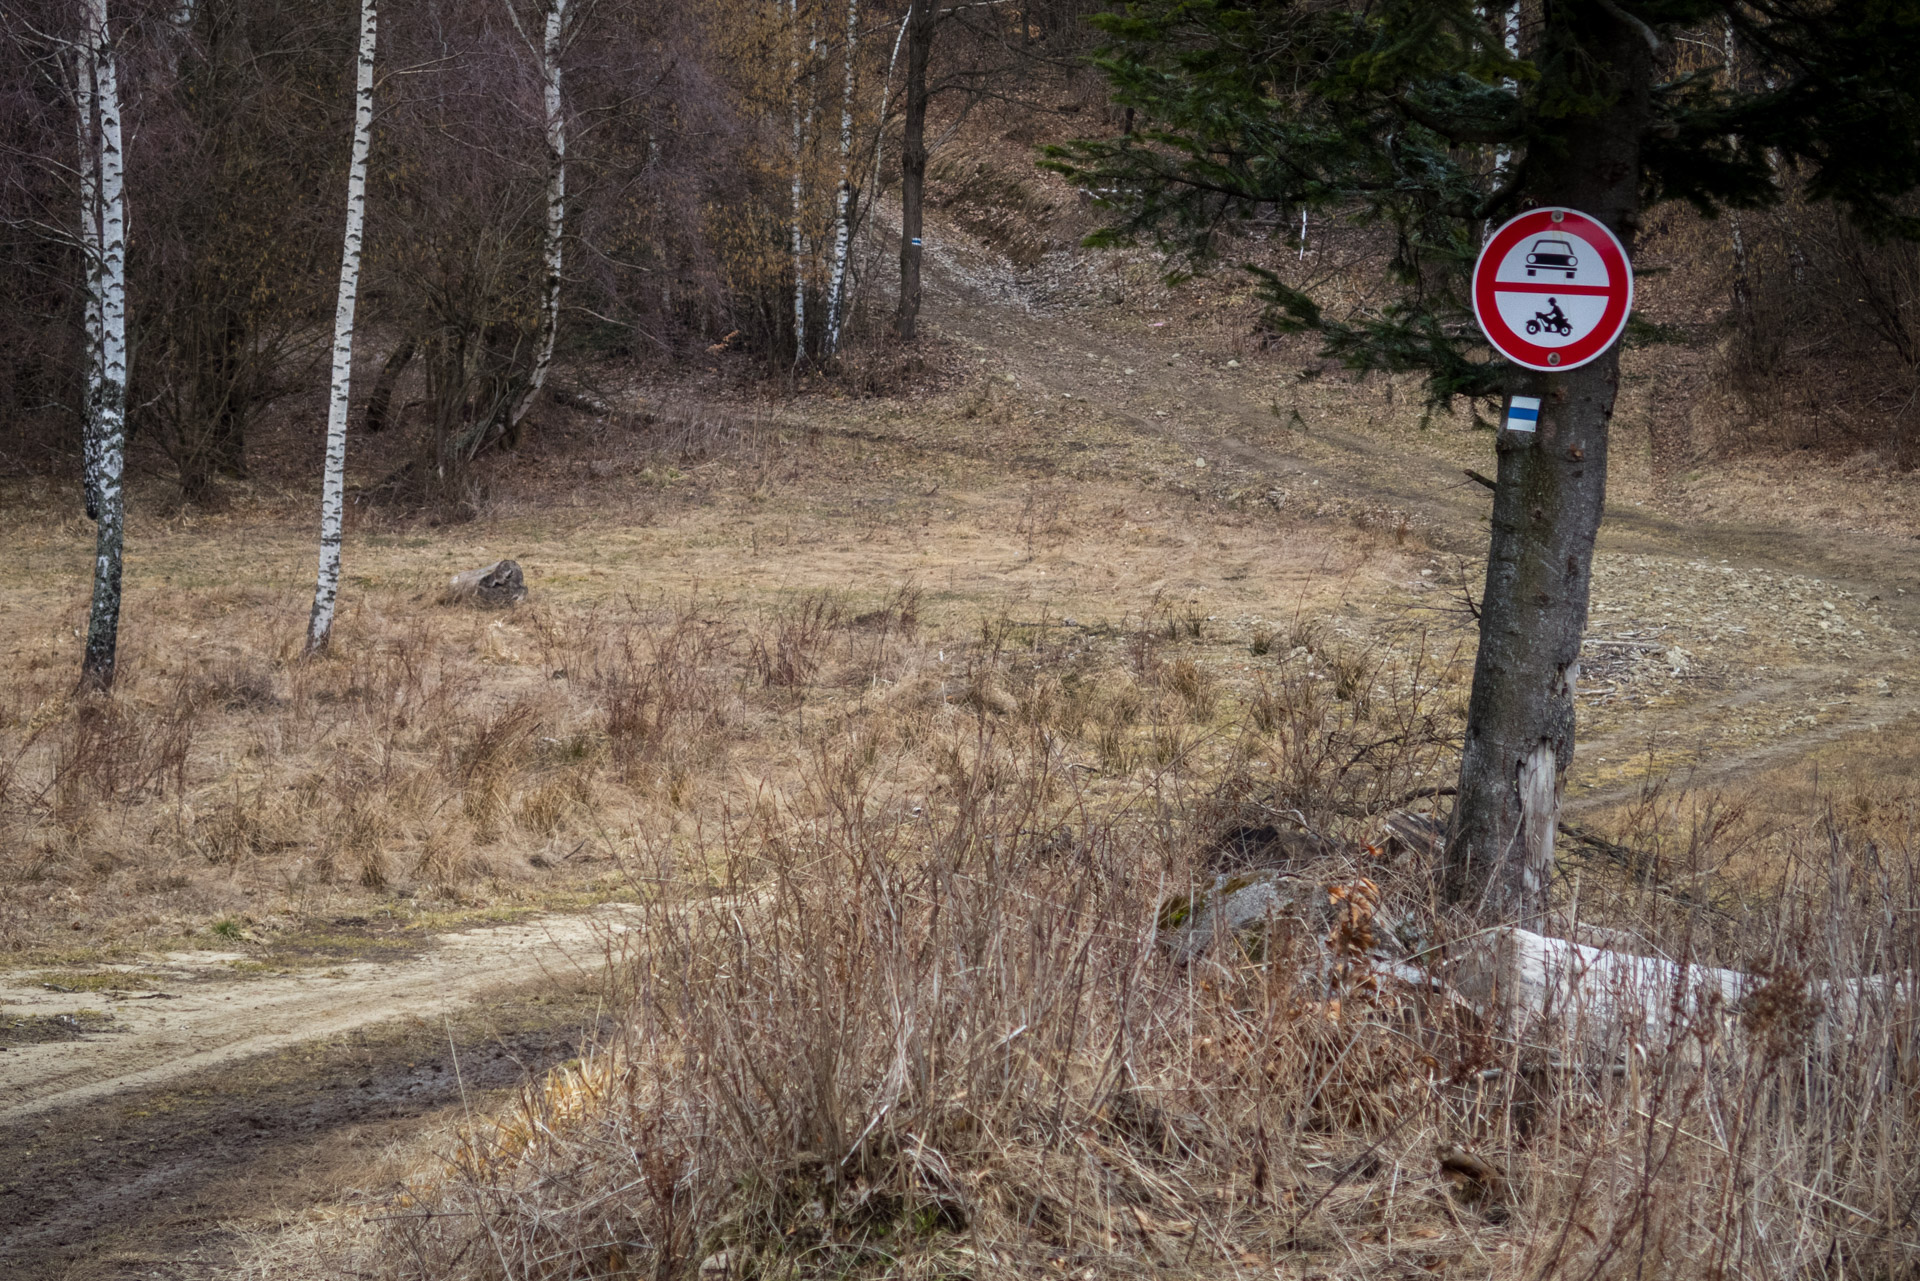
(1238, 906)
(495, 586)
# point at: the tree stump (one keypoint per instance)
(493, 586)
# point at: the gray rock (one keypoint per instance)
(1239, 906)
(496, 585)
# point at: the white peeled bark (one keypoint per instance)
(334, 481)
(110, 410)
(556, 130)
(842, 232)
(1539, 816)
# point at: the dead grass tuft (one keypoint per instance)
(869, 1041)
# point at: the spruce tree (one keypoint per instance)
(1420, 118)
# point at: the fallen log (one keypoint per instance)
(1604, 995)
(1599, 996)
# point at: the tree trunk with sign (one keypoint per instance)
(1425, 122)
(1552, 487)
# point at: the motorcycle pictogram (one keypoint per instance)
(1554, 320)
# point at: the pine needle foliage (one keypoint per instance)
(1418, 117)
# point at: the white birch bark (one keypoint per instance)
(110, 418)
(886, 99)
(556, 128)
(333, 483)
(800, 125)
(842, 232)
(92, 256)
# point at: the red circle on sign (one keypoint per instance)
(1552, 254)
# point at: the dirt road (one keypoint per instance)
(218, 1104)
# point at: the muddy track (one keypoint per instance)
(214, 1106)
(203, 1016)
(174, 1180)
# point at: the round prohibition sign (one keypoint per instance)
(1552, 289)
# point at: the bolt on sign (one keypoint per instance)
(1552, 289)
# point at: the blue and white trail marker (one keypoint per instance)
(1523, 413)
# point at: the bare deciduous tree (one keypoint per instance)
(333, 485)
(104, 158)
(842, 227)
(552, 44)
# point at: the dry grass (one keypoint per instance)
(450, 760)
(898, 1009)
(873, 1039)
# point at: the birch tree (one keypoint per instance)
(842, 230)
(802, 123)
(104, 220)
(333, 484)
(92, 255)
(552, 44)
(1742, 280)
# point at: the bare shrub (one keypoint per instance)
(787, 652)
(656, 693)
(110, 751)
(1334, 731)
(904, 1046)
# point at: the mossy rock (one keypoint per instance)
(1237, 905)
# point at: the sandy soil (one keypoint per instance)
(215, 1107)
(190, 1012)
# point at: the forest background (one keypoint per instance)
(706, 162)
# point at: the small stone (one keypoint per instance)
(498, 584)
